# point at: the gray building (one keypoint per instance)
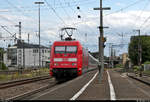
(26, 55)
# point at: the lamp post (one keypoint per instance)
(39, 33)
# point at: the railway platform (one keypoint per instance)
(117, 86)
(97, 90)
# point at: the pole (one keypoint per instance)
(140, 53)
(101, 45)
(20, 47)
(112, 63)
(109, 56)
(101, 48)
(39, 34)
(23, 55)
(19, 63)
(0, 58)
(110, 45)
(34, 60)
(20, 30)
(28, 37)
(39, 41)
(86, 40)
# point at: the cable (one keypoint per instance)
(5, 18)
(82, 3)
(50, 7)
(134, 3)
(85, 22)
(19, 10)
(145, 22)
(141, 12)
(70, 18)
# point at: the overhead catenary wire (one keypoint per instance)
(82, 18)
(73, 3)
(145, 21)
(77, 5)
(57, 15)
(126, 7)
(65, 11)
(6, 19)
(61, 19)
(141, 12)
(20, 11)
(69, 17)
(50, 7)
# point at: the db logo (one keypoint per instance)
(65, 59)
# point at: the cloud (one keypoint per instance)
(117, 22)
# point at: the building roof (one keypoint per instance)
(26, 45)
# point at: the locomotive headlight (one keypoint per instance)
(80, 68)
(58, 59)
(74, 64)
(55, 64)
(72, 59)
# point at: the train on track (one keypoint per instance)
(70, 59)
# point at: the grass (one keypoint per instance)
(147, 72)
(17, 76)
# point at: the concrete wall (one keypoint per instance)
(146, 67)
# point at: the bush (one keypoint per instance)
(119, 66)
(147, 62)
(3, 66)
(2, 77)
(147, 72)
(136, 68)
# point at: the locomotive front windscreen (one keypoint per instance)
(65, 49)
(60, 49)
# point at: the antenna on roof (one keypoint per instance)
(66, 30)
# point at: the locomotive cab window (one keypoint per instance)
(60, 49)
(71, 49)
(65, 49)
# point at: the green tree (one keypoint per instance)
(133, 49)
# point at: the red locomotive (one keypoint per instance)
(69, 58)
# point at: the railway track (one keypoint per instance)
(23, 96)
(21, 82)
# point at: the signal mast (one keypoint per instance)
(66, 30)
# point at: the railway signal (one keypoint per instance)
(104, 40)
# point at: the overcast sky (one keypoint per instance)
(123, 18)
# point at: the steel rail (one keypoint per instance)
(23, 81)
